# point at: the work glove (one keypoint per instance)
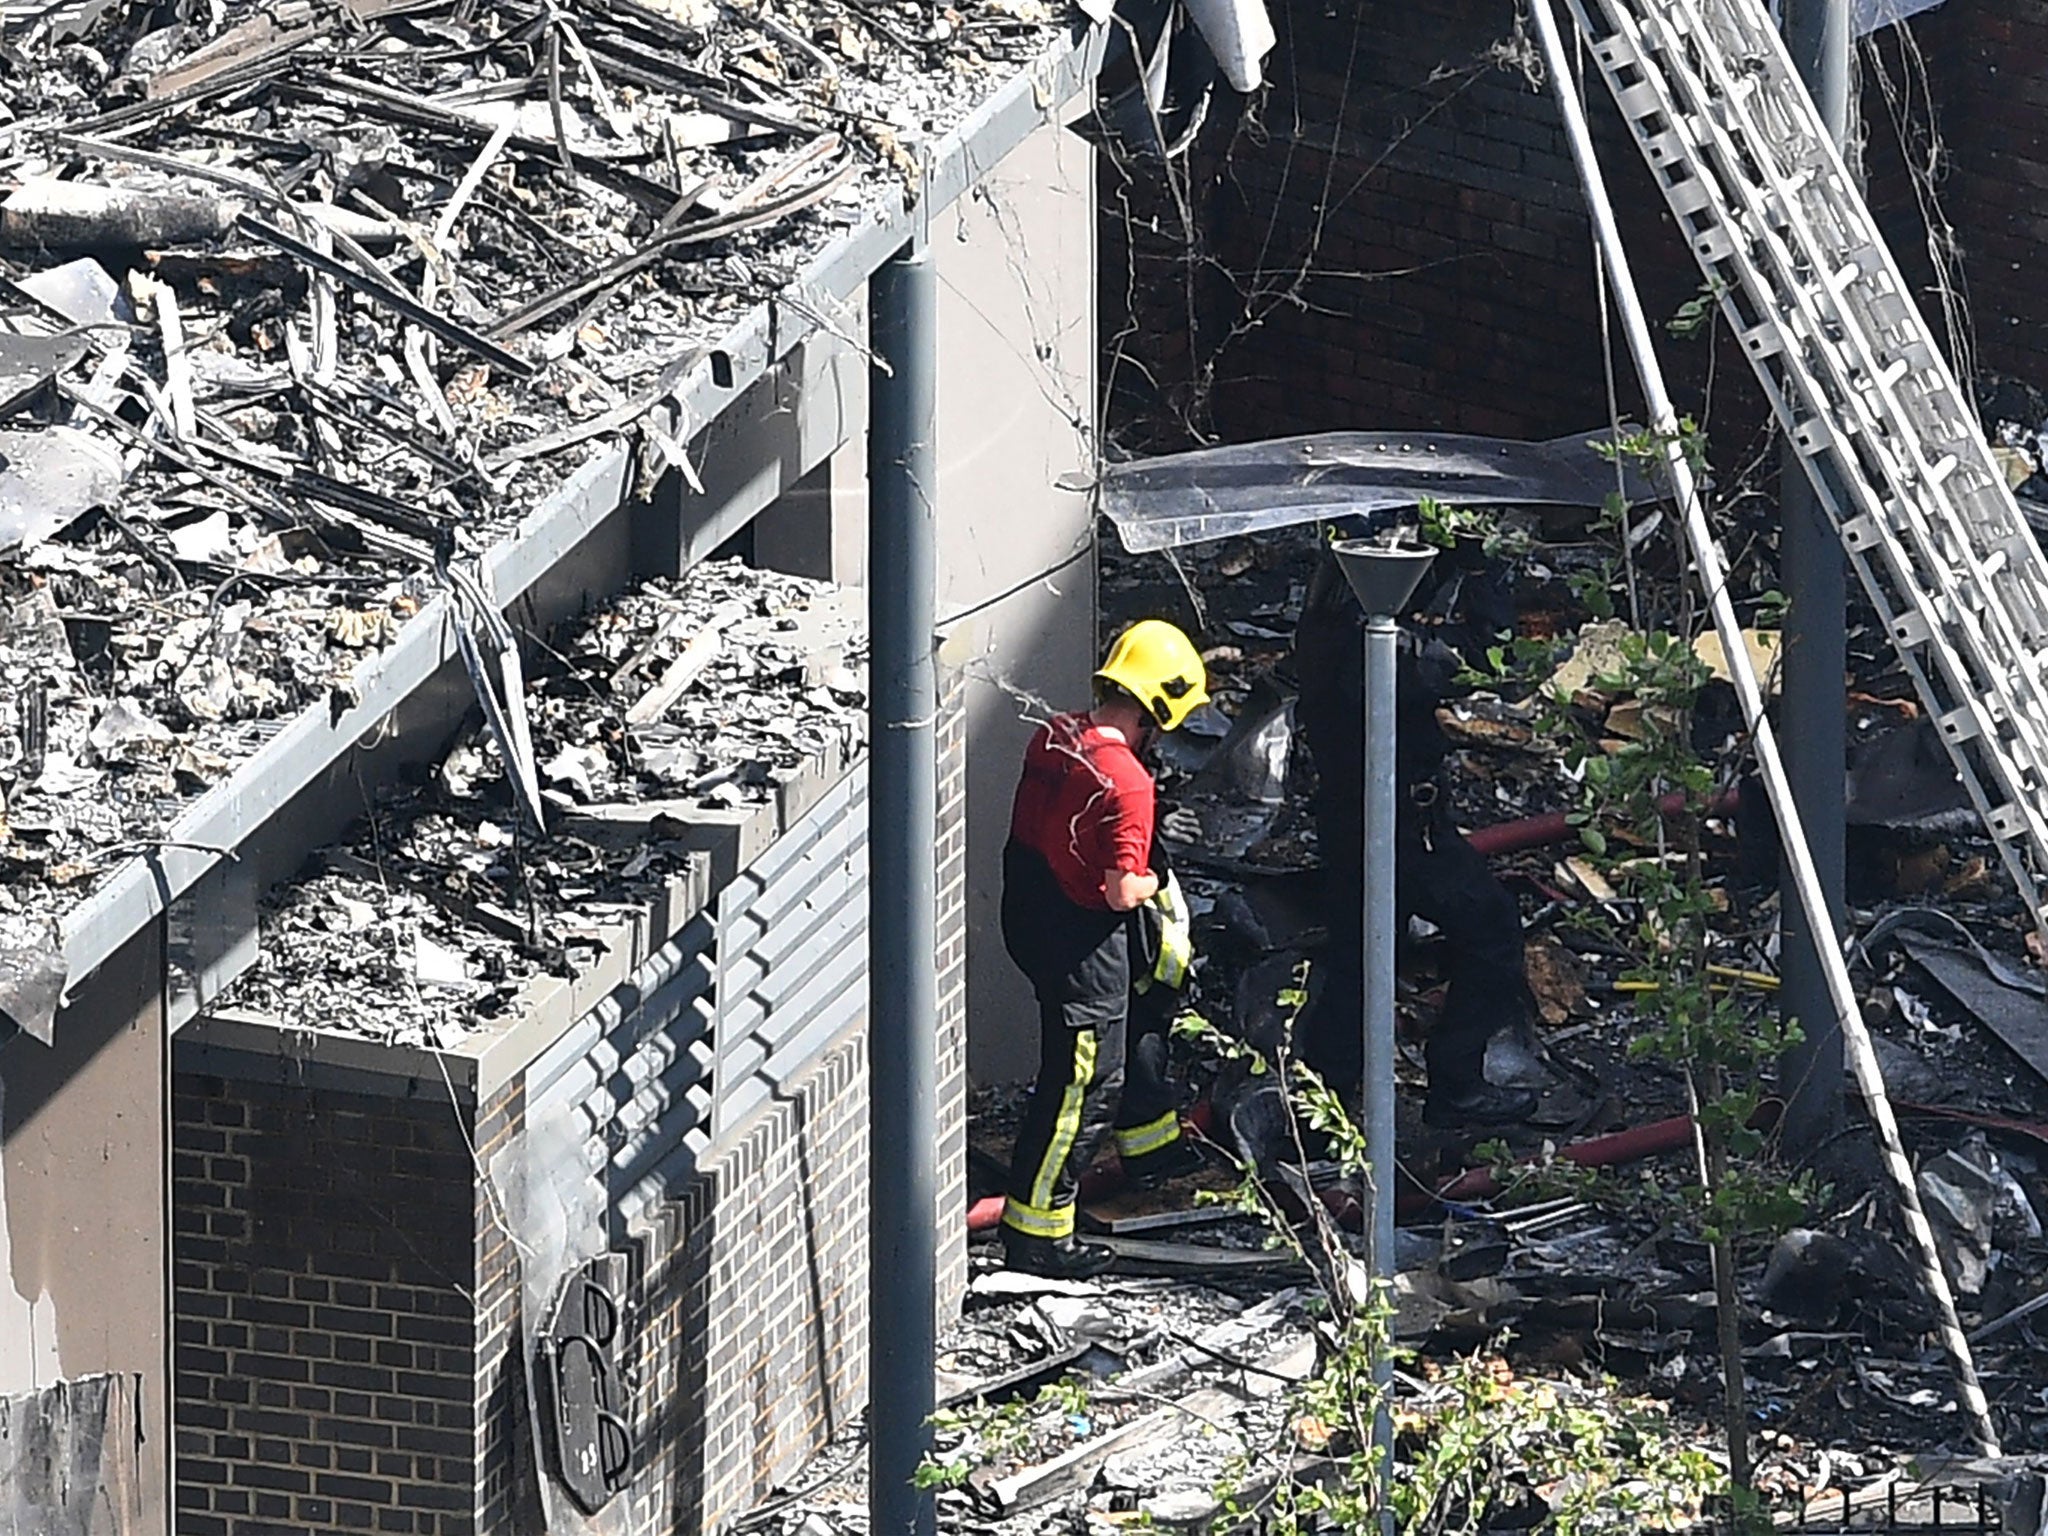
(1182, 825)
(1171, 928)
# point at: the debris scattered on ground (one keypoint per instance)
(1598, 1278)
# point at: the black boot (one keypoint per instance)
(1178, 1159)
(1056, 1258)
(1479, 1103)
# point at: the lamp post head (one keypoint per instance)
(1382, 576)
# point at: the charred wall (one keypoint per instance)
(82, 1221)
(1392, 234)
(1984, 68)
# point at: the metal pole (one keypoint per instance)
(1382, 651)
(903, 993)
(1712, 572)
(1816, 658)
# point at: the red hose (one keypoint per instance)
(1627, 1146)
(1537, 831)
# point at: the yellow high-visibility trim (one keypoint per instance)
(1066, 1129)
(1137, 1140)
(1038, 1221)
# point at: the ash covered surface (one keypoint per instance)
(434, 914)
(1143, 1346)
(289, 295)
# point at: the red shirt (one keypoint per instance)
(1084, 805)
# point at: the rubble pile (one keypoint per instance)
(297, 301)
(441, 906)
(1596, 1287)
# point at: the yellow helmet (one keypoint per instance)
(1158, 666)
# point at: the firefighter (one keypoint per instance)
(1091, 918)
(1437, 874)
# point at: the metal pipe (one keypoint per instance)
(1713, 578)
(903, 993)
(1816, 660)
(1382, 653)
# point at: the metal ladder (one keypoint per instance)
(1852, 371)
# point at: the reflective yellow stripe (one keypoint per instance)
(1038, 1221)
(1137, 1140)
(1176, 954)
(1066, 1127)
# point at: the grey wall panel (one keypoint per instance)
(734, 1006)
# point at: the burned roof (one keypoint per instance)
(674, 710)
(303, 306)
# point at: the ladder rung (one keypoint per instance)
(1688, 196)
(1860, 532)
(1666, 148)
(1639, 101)
(1910, 631)
(1884, 311)
(1893, 371)
(2006, 822)
(1960, 725)
(1763, 340)
(1813, 436)
(1942, 468)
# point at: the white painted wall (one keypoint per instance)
(1016, 267)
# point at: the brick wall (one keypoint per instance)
(323, 1337)
(507, 1478)
(1393, 236)
(1988, 67)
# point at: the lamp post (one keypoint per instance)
(1382, 577)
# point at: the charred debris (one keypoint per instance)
(680, 704)
(1557, 1253)
(303, 306)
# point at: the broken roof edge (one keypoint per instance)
(217, 825)
(554, 1012)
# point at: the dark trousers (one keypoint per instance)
(1439, 877)
(1079, 964)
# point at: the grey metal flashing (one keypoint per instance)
(243, 1046)
(221, 822)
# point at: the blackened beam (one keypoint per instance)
(269, 65)
(637, 71)
(413, 111)
(187, 456)
(714, 228)
(335, 402)
(400, 303)
(373, 505)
